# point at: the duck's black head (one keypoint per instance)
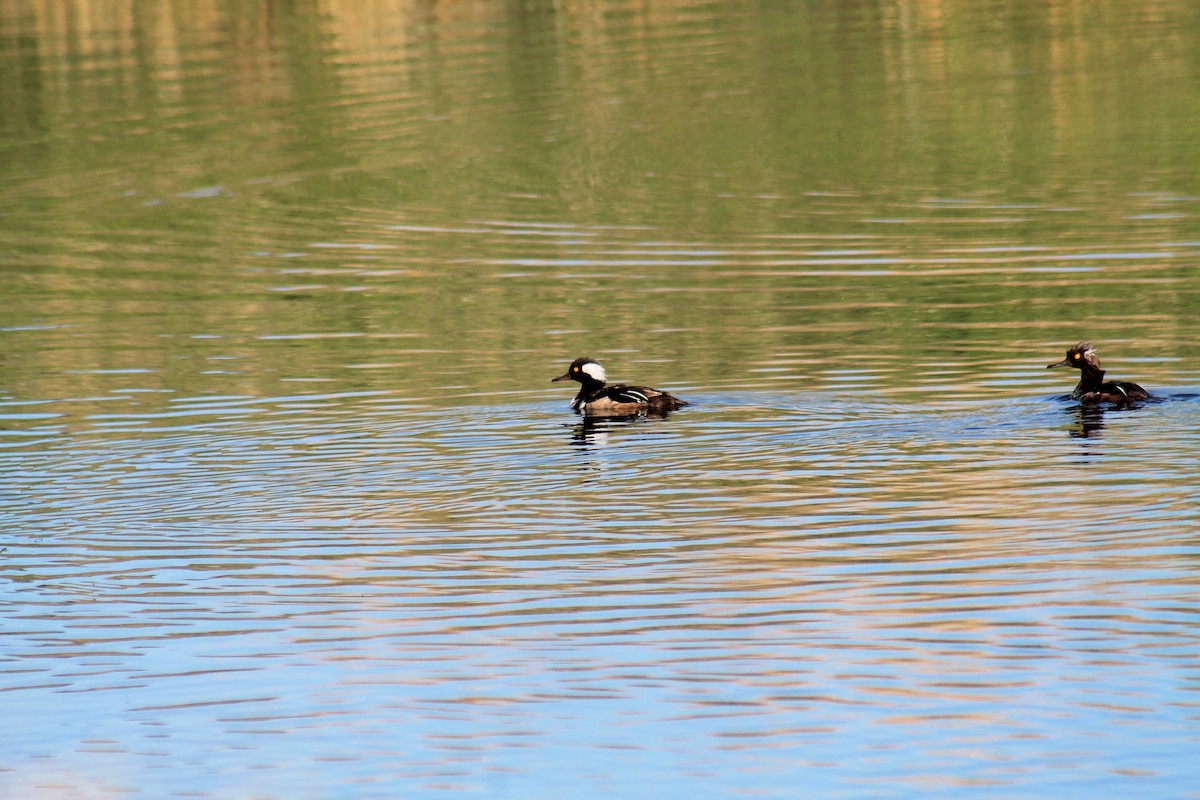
(1083, 357)
(585, 370)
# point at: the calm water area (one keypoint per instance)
(289, 507)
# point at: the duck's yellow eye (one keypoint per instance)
(576, 369)
(1076, 356)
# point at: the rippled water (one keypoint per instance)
(290, 508)
(306, 593)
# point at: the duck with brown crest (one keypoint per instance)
(1092, 388)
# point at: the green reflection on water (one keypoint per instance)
(252, 171)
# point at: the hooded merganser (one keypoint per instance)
(1092, 387)
(597, 398)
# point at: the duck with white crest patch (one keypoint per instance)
(598, 398)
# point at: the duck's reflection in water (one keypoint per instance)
(1088, 418)
(1087, 421)
(593, 432)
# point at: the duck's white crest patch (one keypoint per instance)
(595, 370)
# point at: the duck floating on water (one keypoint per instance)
(1092, 388)
(597, 398)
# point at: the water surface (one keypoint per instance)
(290, 507)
